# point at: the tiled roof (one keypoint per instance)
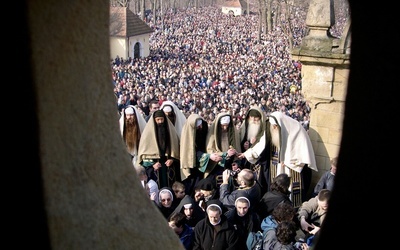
(235, 3)
(125, 23)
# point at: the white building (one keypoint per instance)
(129, 35)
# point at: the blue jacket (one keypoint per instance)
(268, 223)
(187, 237)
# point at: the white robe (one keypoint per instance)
(296, 149)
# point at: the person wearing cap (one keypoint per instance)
(194, 157)
(215, 231)
(251, 130)
(208, 190)
(223, 143)
(244, 219)
(159, 151)
(131, 124)
(286, 147)
(175, 115)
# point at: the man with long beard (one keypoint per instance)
(131, 125)
(251, 130)
(284, 148)
(159, 150)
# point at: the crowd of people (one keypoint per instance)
(216, 126)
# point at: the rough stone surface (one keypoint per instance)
(93, 199)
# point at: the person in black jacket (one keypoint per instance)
(243, 219)
(248, 187)
(279, 193)
(166, 201)
(214, 231)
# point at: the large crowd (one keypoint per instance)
(208, 63)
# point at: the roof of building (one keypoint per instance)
(235, 3)
(125, 23)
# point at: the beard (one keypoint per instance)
(224, 141)
(252, 130)
(132, 135)
(275, 136)
(162, 136)
(201, 135)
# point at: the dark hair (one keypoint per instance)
(178, 218)
(286, 232)
(283, 212)
(153, 101)
(281, 183)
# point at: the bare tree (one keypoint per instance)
(285, 21)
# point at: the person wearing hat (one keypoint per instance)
(131, 124)
(215, 231)
(205, 190)
(251, 130)
(175, 115)
(159, 151)
(223, 143)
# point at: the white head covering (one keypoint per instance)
(296, 148)
(214, 205)
(198, 122)
(129, 111)
(225, 120)
(180, 118)
(272, 121)
(242, 197)
(165, 191)
(167, 109)
(188, 205)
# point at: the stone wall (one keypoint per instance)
(325, 69)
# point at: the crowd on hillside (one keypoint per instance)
(206, 62)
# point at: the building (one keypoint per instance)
(234, 7)
(129, 35)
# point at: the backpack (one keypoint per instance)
(255, 241)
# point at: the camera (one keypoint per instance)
(234, 173)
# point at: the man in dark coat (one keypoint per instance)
(214, 231)
(247, 187)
